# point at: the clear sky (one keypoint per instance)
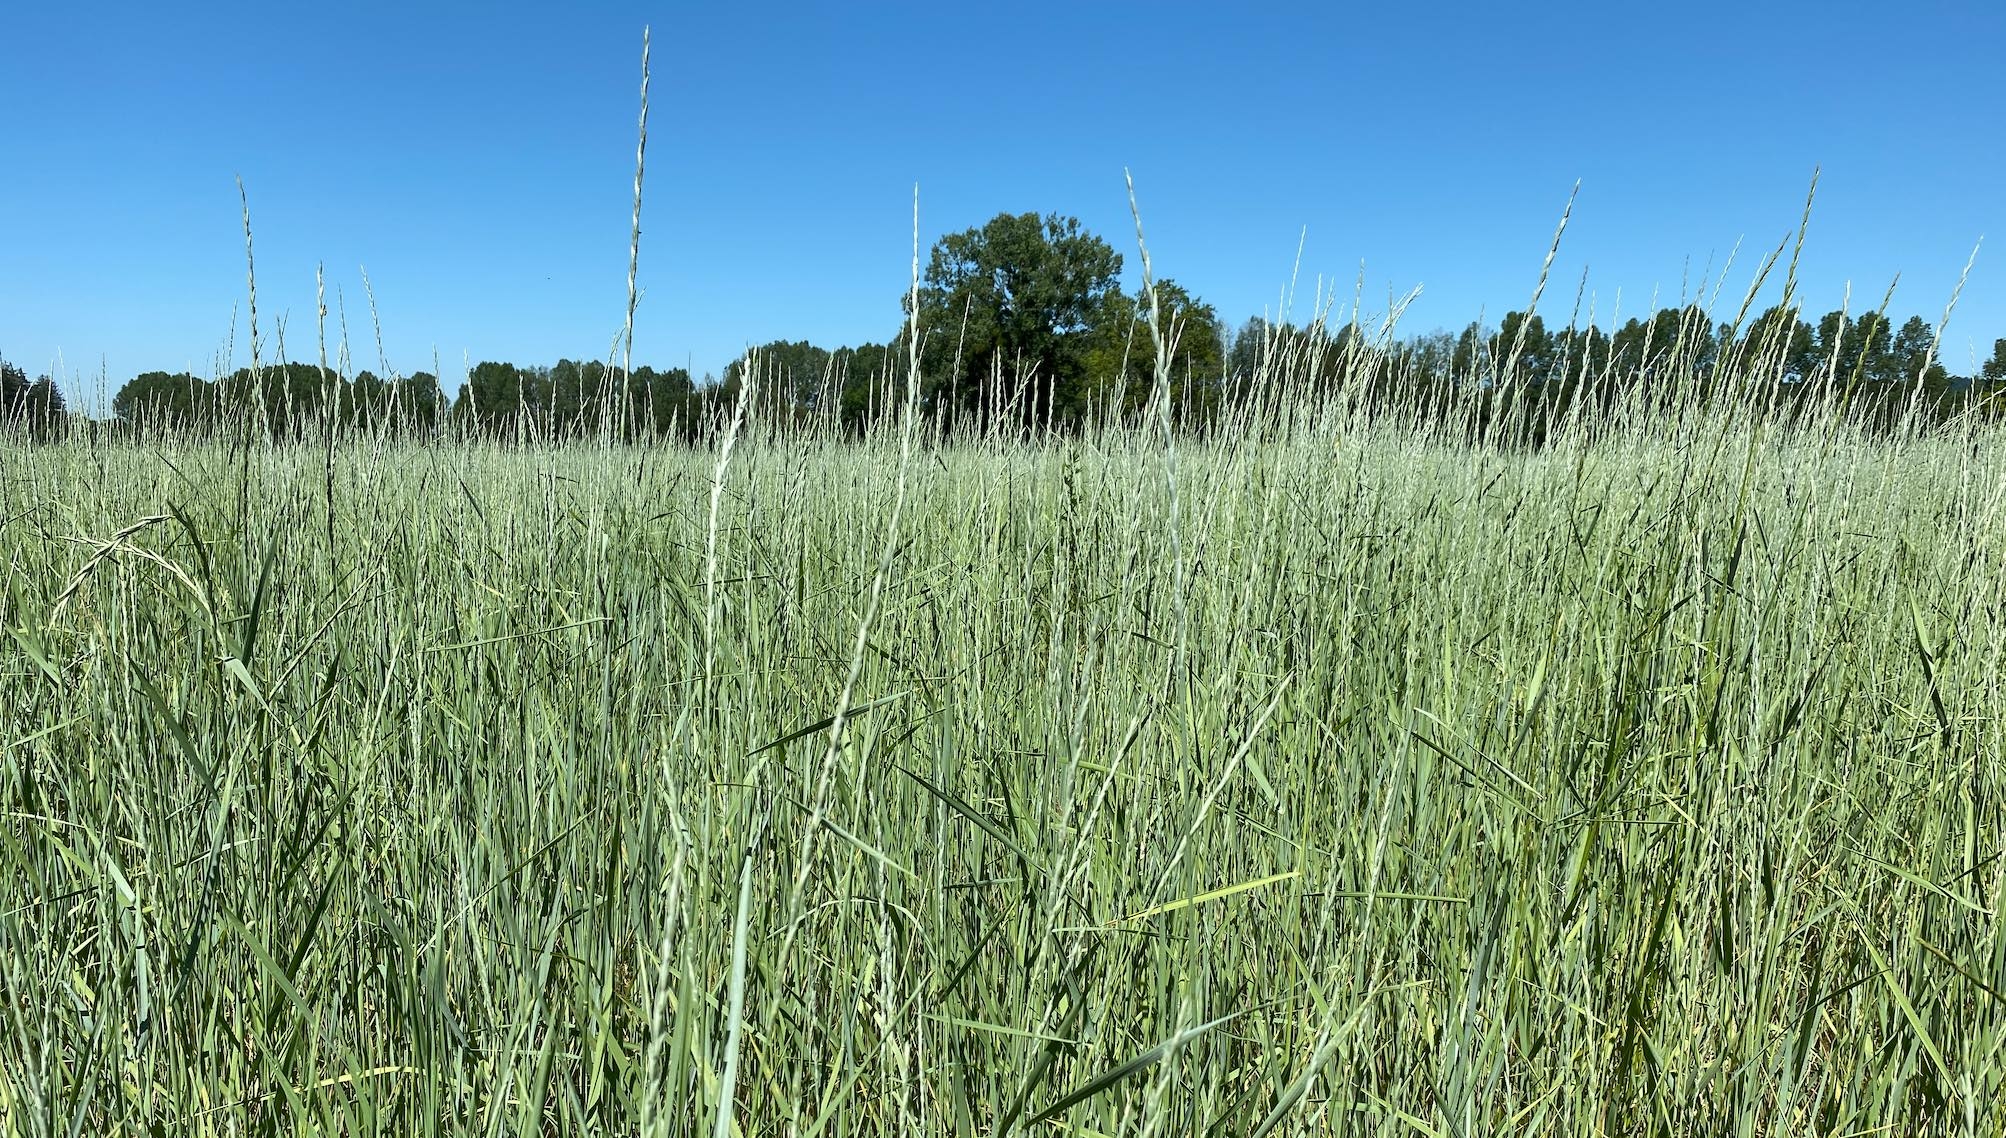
(477, 161)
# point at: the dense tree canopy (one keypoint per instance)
(1994, 369)
(800, 382)
(172, 401)
(283, 400)
(36, 405)
(572, 399)
(1781, 337)
(1121, 353)
(1010, 310)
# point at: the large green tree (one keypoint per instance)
(1911, 356)
(497, 396)
(1268, 360)
(572, 399)
(1525, 347)
(1673, 343)
(1580, 353)
(1780, 343)
(416, 402)
(803, 382)
(1121, 353)
(1860, 346)
(162, 400)
(1015, 303)
(793, 372)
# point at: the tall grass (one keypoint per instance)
(1379, 782)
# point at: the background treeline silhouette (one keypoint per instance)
(1025, 327)
(38, 406)
(283, 399)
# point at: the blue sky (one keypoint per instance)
(478, 162)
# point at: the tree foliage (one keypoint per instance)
(1010, 310)
(37, 406)
(1993, 370)
(1120, 352)
(572, 399)
(283, 401)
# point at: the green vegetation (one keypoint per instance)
(1027, 324)
(1075, 720)
(37, 408)
(1347, 766)
(285, 401)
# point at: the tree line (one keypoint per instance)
(1024, 325)
(291, 400)
(37, 406)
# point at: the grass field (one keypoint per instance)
(1329, 777)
